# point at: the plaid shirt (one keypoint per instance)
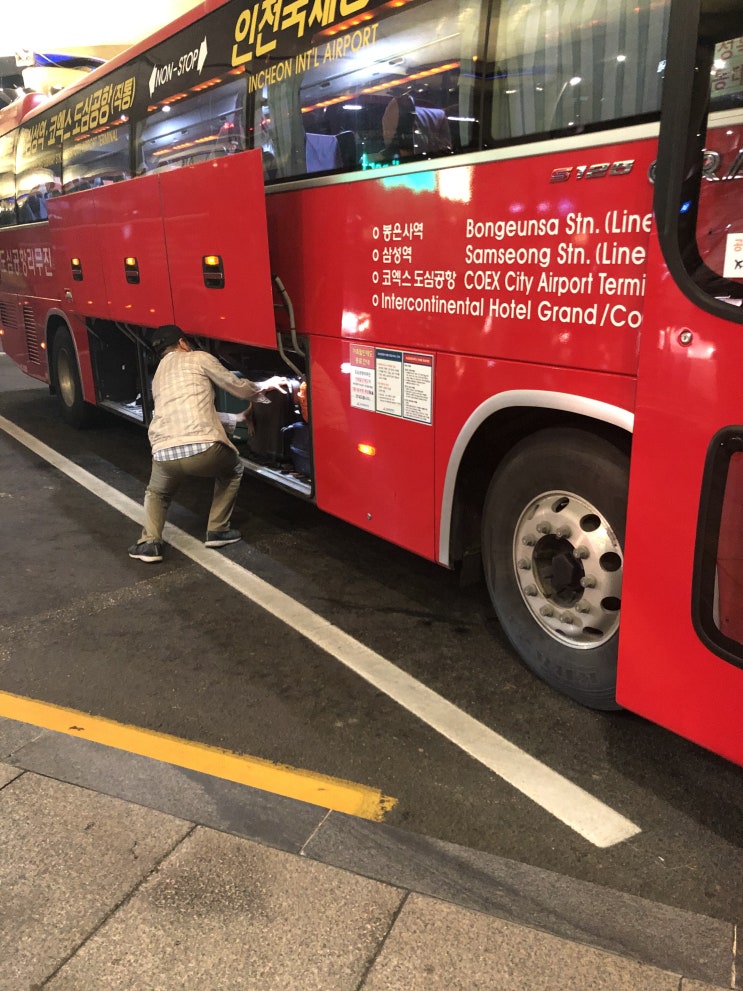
(182, 451)
(185, 416)
(229, 420)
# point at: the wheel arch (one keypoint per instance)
(490, 432)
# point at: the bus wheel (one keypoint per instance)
(553, 531)
(66, 380)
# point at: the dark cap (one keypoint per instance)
(165, 337)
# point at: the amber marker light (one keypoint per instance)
(212, 270)
(367, 449)
(131, 270)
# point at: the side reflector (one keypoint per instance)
(366, 449)
(77, 269)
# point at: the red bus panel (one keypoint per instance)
(219, 208)
(373, 469)
(119, 221)
(503, 258)
(130, 226)
(74, 234)
(688, 390)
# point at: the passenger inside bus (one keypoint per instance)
(33, 209)
(230, 139)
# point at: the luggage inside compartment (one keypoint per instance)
(270, 413)
(298, 436)
(275, 435)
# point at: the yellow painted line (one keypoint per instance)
(279, 779)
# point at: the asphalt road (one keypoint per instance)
(173, 648)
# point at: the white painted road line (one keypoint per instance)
(576, 808)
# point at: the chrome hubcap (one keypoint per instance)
(568, 566)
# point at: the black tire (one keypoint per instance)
(66, 380)
(552, 544)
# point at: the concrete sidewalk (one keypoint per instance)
(120, 872)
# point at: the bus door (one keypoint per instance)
(215, 228)
(681, 639)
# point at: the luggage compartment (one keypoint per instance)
(275, 445)
(265, 443)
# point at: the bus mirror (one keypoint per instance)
(131, 270)
(213, 271)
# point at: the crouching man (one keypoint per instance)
(188, 438)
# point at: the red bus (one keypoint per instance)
(501, 241)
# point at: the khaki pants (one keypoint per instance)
(219, 462)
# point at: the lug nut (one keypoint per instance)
(582, 607)
(529, 540)
(524, 565)
(563, 531)
(588, 581)
(567, 619)
(530, 590)
(544, 527)
(546, 611)
(582, 553)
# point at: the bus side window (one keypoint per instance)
(39, 172)
(7, 180)
(418, 60)
(97, 157)
(197, 128)
(562, 67)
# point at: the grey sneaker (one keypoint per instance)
(150, 551)
(219, 538)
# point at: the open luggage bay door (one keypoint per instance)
(110, 253)
(214, 215)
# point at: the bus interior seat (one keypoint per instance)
(349, 153)
(323, 152)
(33, 209)
(408, 129)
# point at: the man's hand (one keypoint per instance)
(277, 382)
(245, 419)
